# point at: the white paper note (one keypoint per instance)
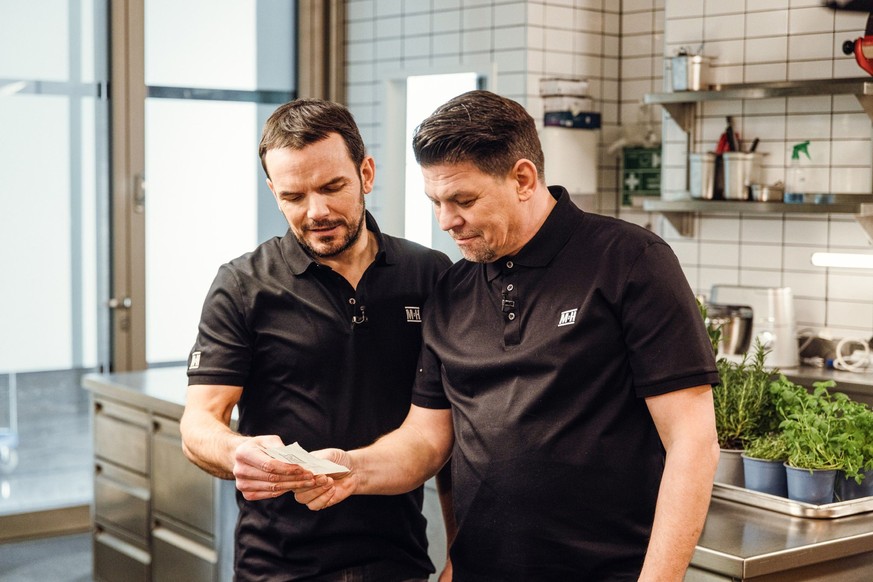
(297, 455)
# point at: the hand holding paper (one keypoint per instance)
(297, 455)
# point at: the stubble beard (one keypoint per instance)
(479, 253)
(333, 248)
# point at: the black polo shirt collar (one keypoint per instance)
(547, 242)
(298, 260)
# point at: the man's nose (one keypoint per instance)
(447, 217)
(317, 207)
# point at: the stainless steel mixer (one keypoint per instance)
(772, 321)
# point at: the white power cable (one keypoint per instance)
(857, 361)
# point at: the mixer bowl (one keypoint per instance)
(735, 322)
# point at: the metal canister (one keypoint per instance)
(690, 72)
(701, 175)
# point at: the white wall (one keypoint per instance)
(515, 43)
(620, 48)
(758, 41)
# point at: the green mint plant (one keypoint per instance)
(858, 419)
(818, 427)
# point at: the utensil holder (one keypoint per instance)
(741, 169)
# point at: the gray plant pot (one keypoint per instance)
(811, 486)
(847, 489)
(730, 468)
(765, 476)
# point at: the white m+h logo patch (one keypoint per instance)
(413, 314)
(567, 317)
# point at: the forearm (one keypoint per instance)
(683, 501)
(209, 444)
(398, 462)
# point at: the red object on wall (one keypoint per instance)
(862, 48)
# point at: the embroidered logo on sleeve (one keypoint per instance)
(195, 361)
(567, 317)
(413, 314)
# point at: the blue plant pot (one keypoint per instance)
(847, 489)
(811, 486)
(765, 476)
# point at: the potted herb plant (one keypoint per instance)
(814, 430)
(855, 479)
(743, 410)
(763, 464)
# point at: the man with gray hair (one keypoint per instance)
(565, 369)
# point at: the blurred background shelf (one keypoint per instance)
(680, 104)
(680, 213)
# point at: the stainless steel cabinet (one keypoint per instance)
(193, 513)
(121, 492)
(156, 516)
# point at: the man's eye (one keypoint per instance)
(466, 203)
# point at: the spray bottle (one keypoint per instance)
(795, 178)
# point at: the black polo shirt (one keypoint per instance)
(326, 365)
(546, 358)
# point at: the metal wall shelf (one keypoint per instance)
(680, 213)
(680, 104)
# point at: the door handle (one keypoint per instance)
(116, 303)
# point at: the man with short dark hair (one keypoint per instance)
(565, 368)
(315, 337)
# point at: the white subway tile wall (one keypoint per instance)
(521, 41)
(756, 41)
(621, 48)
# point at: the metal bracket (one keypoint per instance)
(683, 222)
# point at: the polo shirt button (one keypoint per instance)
(351, 301)
(509, 264)
(511, 316)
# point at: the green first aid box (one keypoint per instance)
(640, 173)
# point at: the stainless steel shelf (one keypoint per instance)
(742, 206)
(680, 212)
(680, 104)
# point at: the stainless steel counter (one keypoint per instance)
(156, 515)
(160, 390)
(740, 542)
(746, 543)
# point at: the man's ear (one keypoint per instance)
(368, 174)
(273, 190)
(525, 174)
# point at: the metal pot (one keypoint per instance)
(765, 193)
(689, 72)
(735, 322)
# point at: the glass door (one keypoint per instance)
(54, 224)
(213, 72)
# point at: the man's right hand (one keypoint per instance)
(329, 490)
(260, 476)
